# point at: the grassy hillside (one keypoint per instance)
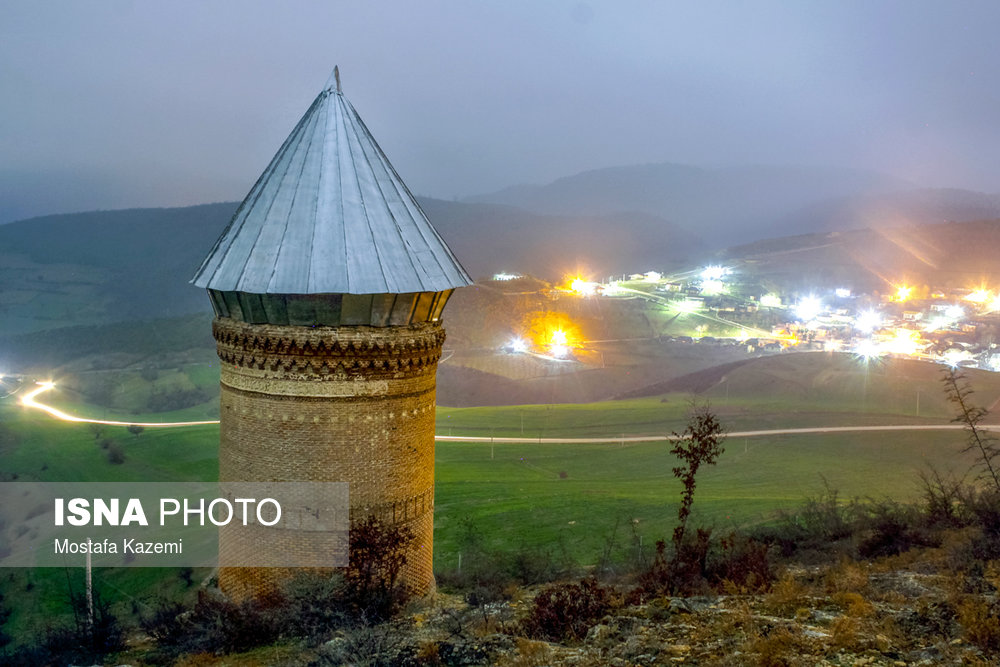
(567, 497)
(104, 266)
(110, 266)
(514, 488)
(787, 390)
(575, 497)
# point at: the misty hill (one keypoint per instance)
(951, 254)
(104, 266)
(100, 266)
(489, 238)
(90, 268)
(737, 202)
(925, 205)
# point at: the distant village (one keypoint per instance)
(721, 306)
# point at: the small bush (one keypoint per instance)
(787, 595)
(893, 530)
(981, 622)
(844, 632)
(162, 622)
(372, 645)
(78, 643)
(681, 573)
(942, 499)
(775, 648)
(318, 605)
(116, 455)
(741, 562)
(222, 626)
(378, 553)
(567, 611)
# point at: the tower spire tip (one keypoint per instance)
(333, 83)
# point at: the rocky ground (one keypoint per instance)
(885, 613)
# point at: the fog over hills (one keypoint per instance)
(149, 254)
(920, 206)
(488, 238)
(740, 202)
(99, 266)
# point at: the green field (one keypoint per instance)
(572, 496)
(39, 448)
(569, 499)
(785, 391)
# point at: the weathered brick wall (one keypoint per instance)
(352, 404)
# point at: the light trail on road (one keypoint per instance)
(28, 401)
(815, 430)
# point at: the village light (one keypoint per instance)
(867, 350)
(979, 296)
(770, 301)
(713, 273)
(712, 287)
(582, 287)
(867, 321)
(558, 346)
(808, 308)
(954, 312)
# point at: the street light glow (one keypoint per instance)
(713, 273)
(954, 312)
(867, 350)
(808, 308)
(868, 321)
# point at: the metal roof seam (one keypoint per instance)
(340, 175)
(315, 215)
(364, 210)
(417, 268)
(291, 207)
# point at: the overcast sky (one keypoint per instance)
(118, 103)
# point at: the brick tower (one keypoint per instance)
(328, 287)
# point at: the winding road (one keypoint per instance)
(28, 400)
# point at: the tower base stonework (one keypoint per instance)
(348, 404)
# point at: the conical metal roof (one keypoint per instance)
(330, 215)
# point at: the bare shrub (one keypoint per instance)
(567, 611)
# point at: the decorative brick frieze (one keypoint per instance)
(298, 352)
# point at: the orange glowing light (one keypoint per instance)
(980, 295)
(582, 287)
(903, 341)
(903, 293)
(548, 330)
